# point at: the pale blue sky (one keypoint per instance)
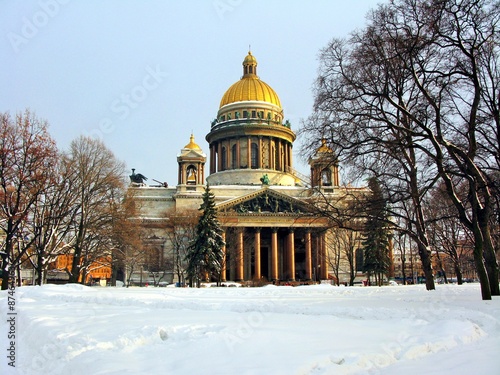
(143, 74)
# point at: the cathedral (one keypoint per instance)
(273, 228)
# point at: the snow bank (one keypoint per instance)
(319, 329)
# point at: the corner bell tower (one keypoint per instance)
(191, 162)
(324, 167)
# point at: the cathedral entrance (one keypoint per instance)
(264, 253)
(272, 254)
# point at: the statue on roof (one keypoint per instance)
(265, 179)
(137, 178)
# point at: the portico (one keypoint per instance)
(272, 236)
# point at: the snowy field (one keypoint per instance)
(320, 329)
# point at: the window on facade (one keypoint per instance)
(326, 177)
(245, 114)
(272, 163)
(153, 260)
(254, 114)
(233, 157)
(191, 175)
(254, 156)
(224, 159)
(223, 118)
(277, 160)
(359, 260)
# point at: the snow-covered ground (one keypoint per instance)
(319, 329)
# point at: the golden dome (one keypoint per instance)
(192, 145)
(250, 59)
(324, 148)
(250, 87)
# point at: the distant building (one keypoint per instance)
(99, 271)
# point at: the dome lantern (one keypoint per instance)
(249, 65)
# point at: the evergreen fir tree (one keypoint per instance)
(376, 236)
(204, 256)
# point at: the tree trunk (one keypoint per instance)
(458, 272)
(352, 273)
(479, 261)
(19, 280)
(5, 260)
(490, 259)
(424, 253)
(39, 270)
(403, 266)
(440, 265)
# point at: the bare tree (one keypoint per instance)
(420, 83)
(341, 252)
(127, 239)
(27, 154)
(50, 220)
(98, 185)
(449, 237)
(179, 238)
(403, 253)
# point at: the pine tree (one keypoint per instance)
(376, 237)
(204, 256)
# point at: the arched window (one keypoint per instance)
(191, 175)
(277, 158)
(224, 159)
(326, 177)
(233, 157)
(254, 156)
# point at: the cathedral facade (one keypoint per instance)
(273, 224)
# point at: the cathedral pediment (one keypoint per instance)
(191, 154)
(265, 201)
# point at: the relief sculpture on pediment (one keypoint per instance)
(266, 204)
